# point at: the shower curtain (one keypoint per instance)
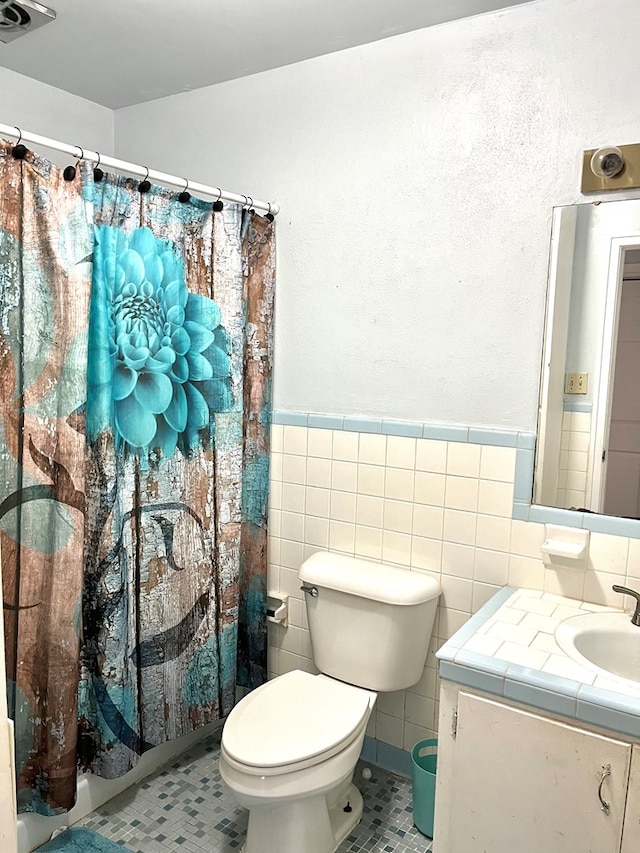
(135, 371)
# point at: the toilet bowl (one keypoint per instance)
(290, 747)
(288, 752)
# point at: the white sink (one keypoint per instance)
(604, 642)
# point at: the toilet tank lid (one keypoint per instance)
(388, 584)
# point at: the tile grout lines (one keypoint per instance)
(186, 807)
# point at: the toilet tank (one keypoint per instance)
(370, 624)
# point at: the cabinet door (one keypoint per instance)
(529, 784)
(631, 834)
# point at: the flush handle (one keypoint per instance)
(310, 590)
(606, 771)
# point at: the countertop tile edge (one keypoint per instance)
(472, 677)
(447, 651)
(555, 694)
(544, 680)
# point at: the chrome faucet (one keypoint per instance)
(635, 619)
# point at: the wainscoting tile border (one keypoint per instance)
(387, 757)
(575, 406)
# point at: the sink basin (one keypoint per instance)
(605, 642)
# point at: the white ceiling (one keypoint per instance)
(123, 52)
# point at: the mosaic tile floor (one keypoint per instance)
(186, 807)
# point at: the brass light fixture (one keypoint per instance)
(611, 168)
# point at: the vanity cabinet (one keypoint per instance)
(631, 837)
(512, 779)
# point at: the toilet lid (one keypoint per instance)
(292, 719)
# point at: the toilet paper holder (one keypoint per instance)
(278, 608)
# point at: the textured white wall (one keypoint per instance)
(51, 112)
(416, 177)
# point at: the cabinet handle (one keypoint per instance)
(606, 771)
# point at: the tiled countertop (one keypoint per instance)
(508, 649)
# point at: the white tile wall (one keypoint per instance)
(574, 459)
(435, 506)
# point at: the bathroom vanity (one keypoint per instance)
(538, 750)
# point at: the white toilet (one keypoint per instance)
(289, 748)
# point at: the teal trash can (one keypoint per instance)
(423, 765)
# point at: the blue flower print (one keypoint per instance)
(159, 362)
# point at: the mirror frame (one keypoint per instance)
(526, 509)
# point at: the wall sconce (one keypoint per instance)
(611, 168)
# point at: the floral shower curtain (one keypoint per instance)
(135, 334)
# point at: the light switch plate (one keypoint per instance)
(576, 383)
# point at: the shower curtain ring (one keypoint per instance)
(145, 185)
(217, 204)
(185, 195)
(19, 151)
(246, 216)
(70, 172)
(269, 216)
(98, 174)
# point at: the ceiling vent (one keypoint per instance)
(19, 18)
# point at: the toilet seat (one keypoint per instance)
(294, 721)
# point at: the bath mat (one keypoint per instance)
(81, 841)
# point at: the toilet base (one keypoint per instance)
(303, 826)
(343, 822)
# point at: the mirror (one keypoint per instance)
(588, 448)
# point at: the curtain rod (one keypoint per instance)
(79, 153)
